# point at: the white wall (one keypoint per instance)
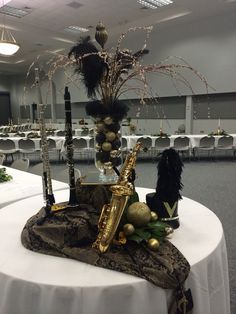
(208, 45)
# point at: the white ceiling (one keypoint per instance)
(42, 30)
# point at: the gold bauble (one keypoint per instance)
(128, 229)
(114, 153)
(138, 214)
(98, 147)
(101, 34)
(108, 120)
(154, 216)
(106, 146)
(100, 126)
(110, 136)
(169, 230)
(108, 165)
(153, 244)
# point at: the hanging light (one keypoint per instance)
(8, 45)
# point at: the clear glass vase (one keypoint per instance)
(108, 150)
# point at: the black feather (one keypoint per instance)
(91, 67)
(169, 183)
(117, 110)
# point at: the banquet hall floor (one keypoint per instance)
(212, 183)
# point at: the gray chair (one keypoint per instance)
(206, 144)
(124, 147)
(225, 143)
(161, 143)
(7, 147)
(60, 133)
(37, 169)
(21, 164)
(52, 148)
(182, 145)
(146, 149)
(81, 148)
(26, 146)
(2, 158)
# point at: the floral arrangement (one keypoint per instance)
(218, 132)
(4, 176)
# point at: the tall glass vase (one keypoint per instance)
(108, 151)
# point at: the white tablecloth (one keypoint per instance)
(194, 139)
(32, 283)
(23, 184)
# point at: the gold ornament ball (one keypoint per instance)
(110, 136)
(108, 120)
(108, 165)
(106, 146)
(153, 244)
(138, 214)
(128, 229)
(100, 126)
(114, 153)
(169, 230)
(98, 147)
(154, 216)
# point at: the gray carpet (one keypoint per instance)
(212, 183)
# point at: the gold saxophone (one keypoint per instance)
(111, 213)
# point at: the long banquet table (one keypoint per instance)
(41, 284)
(22, 185)
(194, 139)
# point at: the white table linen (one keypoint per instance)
(32, 283)
(194, 139)
(23, 184)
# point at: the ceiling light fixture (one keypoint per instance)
(154, 4)
(76, 29)
(8, 44)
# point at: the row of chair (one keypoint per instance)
(182, 145)
(27, 147)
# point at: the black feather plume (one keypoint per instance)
(169, 183)
(91, 67)
(118, 109)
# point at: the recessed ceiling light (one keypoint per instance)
(76, 29)
(4, 2)
(7, 10)
(64, 40)
(154, 4)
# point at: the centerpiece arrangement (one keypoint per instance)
(126, 235)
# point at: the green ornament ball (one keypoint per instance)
(139, 214)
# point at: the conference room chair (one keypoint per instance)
(80, 146)
(19, 134)
(146, 148)
(206, 144)
(26, 147)
(52, 148)
(7, 147)
(182, 145)
(61, 133)
(124, 147)
(4, 135)
(90, 148)
(2, 158)
(161, 143)
(37, 169)
(225, 143)
(21, 164)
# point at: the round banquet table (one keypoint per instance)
(33, 283)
